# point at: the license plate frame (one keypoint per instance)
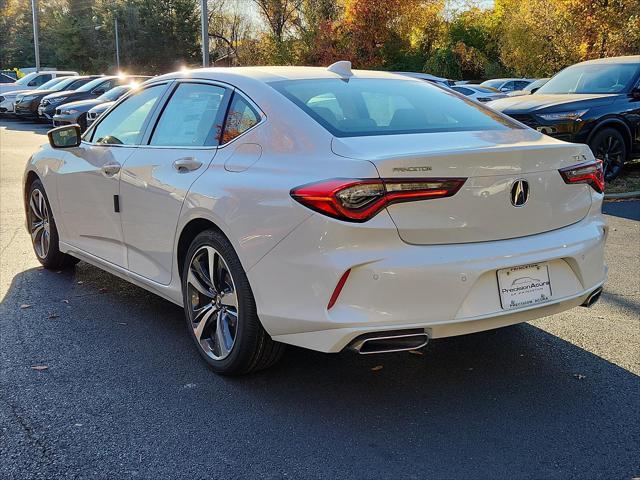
(524, 285)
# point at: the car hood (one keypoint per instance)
(538, 102)
(83, 105)
(101, 107)
(71, 95)
(12, 88)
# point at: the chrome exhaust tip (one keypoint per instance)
(387, 342)
(592, 298)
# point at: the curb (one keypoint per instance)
(622, 195)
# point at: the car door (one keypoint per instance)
(88, 184)
(156, 178)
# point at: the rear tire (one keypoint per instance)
(43, 230)
(220, 309)
(608, 145)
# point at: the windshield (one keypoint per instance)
(493, 83)
(27, 78)
(115, 93)
(361, 107)
(50, 83)
(87, 87)
(592, 78)
(64, 84)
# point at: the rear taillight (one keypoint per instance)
(358, 200)
(590, 173)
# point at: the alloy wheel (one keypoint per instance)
(611, 151)
(213, 303)
(40, 223)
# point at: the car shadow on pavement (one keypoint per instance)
(509, 403)
(14, 123)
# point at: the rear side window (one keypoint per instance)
(363, 106)
(241, 117)
(192, 117)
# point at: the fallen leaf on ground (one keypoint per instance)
(579, 376)
(103, 290)
(65, 301)
(80, 282)
(121, 323)
(59, 271)
(416, 352)
(53, 315)
(39, 368)
(24, 306)
(377, 368)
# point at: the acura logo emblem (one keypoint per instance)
(519, 193)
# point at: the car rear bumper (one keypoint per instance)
(445, 290)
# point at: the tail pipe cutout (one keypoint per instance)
(390, 341)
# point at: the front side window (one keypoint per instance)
(366, 106)
(241, 117)
(125, 124)
(592, 78)
(192, 117)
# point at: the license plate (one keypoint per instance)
(524, 286)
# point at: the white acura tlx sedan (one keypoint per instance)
(321, 207)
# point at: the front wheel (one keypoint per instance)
(608, 145)
(220, 309)
(43, 230)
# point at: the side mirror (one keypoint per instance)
(99, 91)
(534, 90)
(67, 136)
(32, 83)
(635, 93)
(504, 89)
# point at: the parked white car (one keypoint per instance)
(507, 84)
(481, 94)
(34, 80)
(322, 208)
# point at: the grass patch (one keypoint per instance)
(628, 181)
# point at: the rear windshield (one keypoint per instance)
(592, 78)
(365, 106)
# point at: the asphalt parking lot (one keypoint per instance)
(118, 391)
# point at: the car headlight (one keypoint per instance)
(69, 112)
(572, 115)
(53, 101)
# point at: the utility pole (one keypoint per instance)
(205, 34)
(117, 45)
(36, 46)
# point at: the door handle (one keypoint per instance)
(111, 168)
(186, 164)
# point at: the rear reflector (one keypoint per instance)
(590, 173)
(338, 289)
(358, 200)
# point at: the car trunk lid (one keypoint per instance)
(492, 162)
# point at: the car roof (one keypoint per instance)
(626, 59)
(269, 74)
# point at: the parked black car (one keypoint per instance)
(76, 112)
(27, 102)
(93, 89)
(595, 102)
